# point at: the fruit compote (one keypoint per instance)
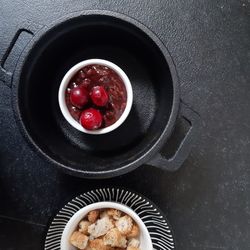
(96, 96)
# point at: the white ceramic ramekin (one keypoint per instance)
(65, 81)
(145, 240)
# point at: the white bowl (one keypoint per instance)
(65, 81)
(145, 240)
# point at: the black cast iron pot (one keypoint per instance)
(37, 60)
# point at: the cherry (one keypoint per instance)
(79, 96)
(99, 96)
(91, 119)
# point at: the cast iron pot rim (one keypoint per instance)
(136, 162)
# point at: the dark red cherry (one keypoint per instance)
(79, 97)
(99, 96)
(91, 119)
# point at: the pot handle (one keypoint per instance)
(9, 60)
(174, 163)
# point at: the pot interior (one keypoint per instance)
(81, 38)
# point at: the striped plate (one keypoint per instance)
(158, 227)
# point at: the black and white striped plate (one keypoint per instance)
(158, 227)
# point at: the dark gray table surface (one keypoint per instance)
(208, 200)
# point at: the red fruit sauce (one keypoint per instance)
(111, 90)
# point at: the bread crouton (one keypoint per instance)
(114, 213)
(83, 226)
(79, 240)
(93, 216)
(103, 214)
(124, 224)
(133, 242)
(114, 238)
(134, 232)
(101, 227)
(132, 248)
(98, 244)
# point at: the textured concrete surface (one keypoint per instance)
(207, 201)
